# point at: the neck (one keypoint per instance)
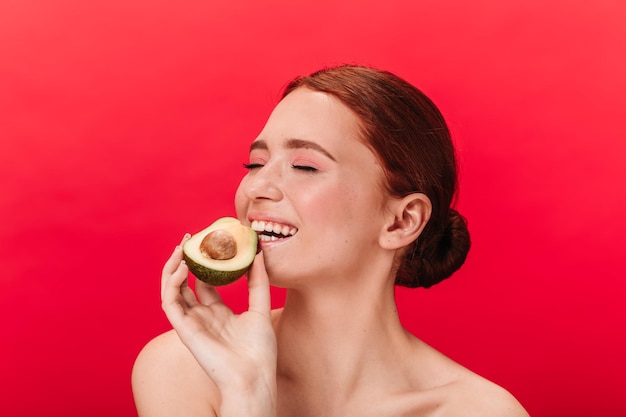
(346, 336)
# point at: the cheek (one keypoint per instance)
(361, 211)
(344, 206)
(323, 202)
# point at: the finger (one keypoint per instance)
(176, 291)
(259, 299)
(185, 238)
(172, 264)
(172, 300)
(188, 294)
(207, 294)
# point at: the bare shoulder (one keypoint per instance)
(476, 396)
(445, 388)
(167, 381)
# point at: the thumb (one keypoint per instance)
(259, 299)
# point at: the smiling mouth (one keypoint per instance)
(270, 231)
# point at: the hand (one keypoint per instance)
(238, 352)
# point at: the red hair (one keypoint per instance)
(411, 139)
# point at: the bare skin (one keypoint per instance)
(337, 348)
(398, 375)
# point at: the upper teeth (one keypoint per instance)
(281, 229)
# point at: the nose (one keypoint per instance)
(263, 184)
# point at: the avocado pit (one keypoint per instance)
(219, 244)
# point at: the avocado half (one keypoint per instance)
(221, 253)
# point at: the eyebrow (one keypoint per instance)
(295, 144)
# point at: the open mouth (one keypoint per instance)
(270, 231)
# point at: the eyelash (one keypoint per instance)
(305, 168)
(252, 166)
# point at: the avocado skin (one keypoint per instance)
(212, 276)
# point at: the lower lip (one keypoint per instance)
(267, 244)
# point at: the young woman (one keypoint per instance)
(359, 164)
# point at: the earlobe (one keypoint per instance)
(407, 218)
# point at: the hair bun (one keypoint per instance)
(437, 257)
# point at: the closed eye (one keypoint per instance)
(305, 168)
(252, 166)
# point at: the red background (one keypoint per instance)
(123, 125)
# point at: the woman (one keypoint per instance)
(359, 164)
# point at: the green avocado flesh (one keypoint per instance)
(221, 271)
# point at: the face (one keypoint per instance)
(314, 189)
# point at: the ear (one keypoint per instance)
(407, 218)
